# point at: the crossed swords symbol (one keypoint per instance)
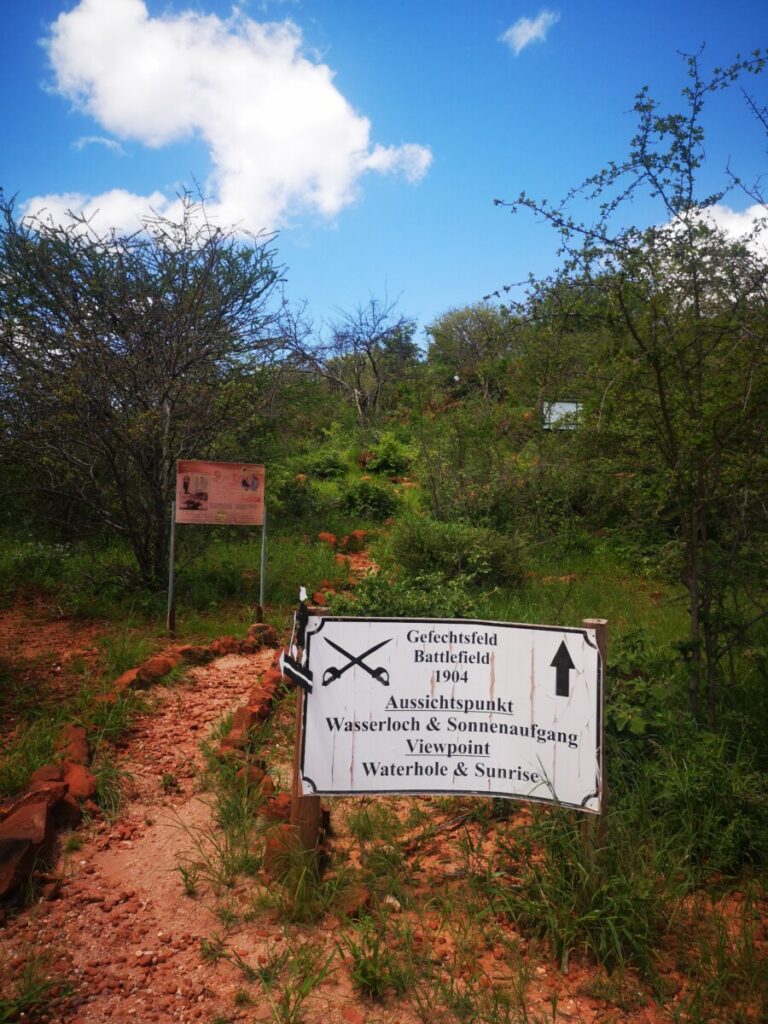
(332, 674)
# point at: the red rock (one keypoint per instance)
(193, 654)
(278, 808)
(17, 857)
(73, 744)
(354, 902)
(67, 813)
(327, 538)
(252, 772)
(30, 823)
(126, 680)
(234, 741)
(356, 540)
(49, 792)
(48, 773)
(153, 669)
(264, 634)
(319, 598)
(106, 698)
(267, 786)
(50, 890)
(262, 709)
(271, 680)
(342, 559)
(81, 783)
(244, 720)
(280, 848)
(353, 1016)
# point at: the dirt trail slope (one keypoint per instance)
(121, 931)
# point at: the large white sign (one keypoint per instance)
(452, 706)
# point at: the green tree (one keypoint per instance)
(121, 354)
(366, 353)
(679, 376)
(471, 350)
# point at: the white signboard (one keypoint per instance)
(452, 706)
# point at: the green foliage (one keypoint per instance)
(424, 594)
(421, 544)
(391, 455)
(609, 900)
(32, 746)
(711, 796)
(178, 309)
(373, 821)
(728, 975)
(369, 501)
(324, 461)
(375, 966)
(305, 970)
(28, 995)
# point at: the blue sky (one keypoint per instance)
(374, 137)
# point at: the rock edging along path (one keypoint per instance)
(119, 937)
(59, 792)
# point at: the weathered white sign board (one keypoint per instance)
(452, 706)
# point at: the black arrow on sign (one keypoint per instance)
(562, 664)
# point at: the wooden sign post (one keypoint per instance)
(305, 810)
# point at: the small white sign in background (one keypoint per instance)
(453, 706)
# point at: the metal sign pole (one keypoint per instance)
(592, 830)
(305, 810)
(263, 568)
(171, 619)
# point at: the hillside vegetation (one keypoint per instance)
(596, 447)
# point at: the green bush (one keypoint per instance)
(390, 455)
(325, 463)
(425, 594)
(711, 796)
(368, 500)
(421, 544)
(613, 901)
(292, 498)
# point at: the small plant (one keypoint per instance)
(73, 842)
(375, 820)
(109, 780)
(214, 949)
(302, 894)
(27, 994)
(190, 875)
(226, 915)
(249, 973)
(620, 989)
(269, 971)
(242, 998)
(373, 965)
(169, 783)
(306, 969)
(391, 455)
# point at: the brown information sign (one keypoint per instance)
(220, 493)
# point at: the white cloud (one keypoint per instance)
(98, 140)
(529, 30)
(116, 208)
(735, 223)
(280, 135)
